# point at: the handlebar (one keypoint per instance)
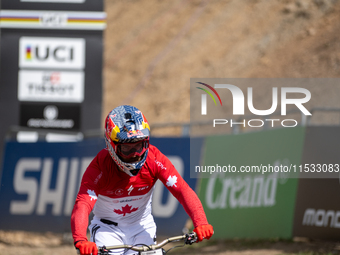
(189, 239)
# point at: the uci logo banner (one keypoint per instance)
(48, 52)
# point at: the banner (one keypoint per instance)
(74, 5)
(251, 203)
(39, 184)
(51, 60)
(317, 213)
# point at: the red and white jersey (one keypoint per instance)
(113, 195)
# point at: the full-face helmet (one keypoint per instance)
(127, 138)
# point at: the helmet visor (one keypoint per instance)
(129, 150)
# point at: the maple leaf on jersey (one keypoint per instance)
(125, 209)
(92, 194)
(172, 180)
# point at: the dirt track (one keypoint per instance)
(23, 243)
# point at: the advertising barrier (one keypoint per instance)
(251, 203)
(39, 183)
(40, 180)
(317, 212)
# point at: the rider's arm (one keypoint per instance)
(167, 173)
(85, 201)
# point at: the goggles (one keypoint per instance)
(128, 150)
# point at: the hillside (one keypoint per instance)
(153, 48)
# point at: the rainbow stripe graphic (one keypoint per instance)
(208, 92)
(68, 20)
(19, 19)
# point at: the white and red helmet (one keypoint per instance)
(127, 135)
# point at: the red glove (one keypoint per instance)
(204, 232)
(87, 248)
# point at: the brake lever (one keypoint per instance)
(190, 238)
(103, 251)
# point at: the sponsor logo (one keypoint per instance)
(160, 164)
(143, 188)
(119, 192)
(134, 133)
(53, 19)
(45, 86)
(98, 178)
(110, 125)
(50, 114)
(130, 200)
(48, 52)
(130, 189)
(246, 192)
(28, 53)
(321, 218)
(126, 209)
(36, 192)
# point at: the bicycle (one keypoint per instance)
(154, 249)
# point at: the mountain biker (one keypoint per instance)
(118, 185)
